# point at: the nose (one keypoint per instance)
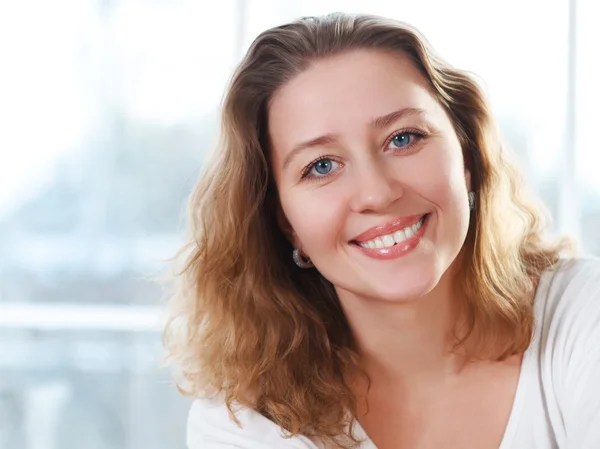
(375, 188)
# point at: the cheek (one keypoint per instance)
(441, 176)
(316, 216)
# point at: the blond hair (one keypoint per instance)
(247, 324)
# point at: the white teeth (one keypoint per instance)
(399, 236)
(389, 240)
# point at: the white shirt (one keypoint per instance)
(557, 402)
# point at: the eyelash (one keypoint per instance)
(415, 132)
(306, 170)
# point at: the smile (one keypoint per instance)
(397, 237)
(392, 240)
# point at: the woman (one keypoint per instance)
(364, 267)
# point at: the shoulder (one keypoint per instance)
(574, 273)
(568, 334)
(567, 350)
(210, 426)
(569, 294)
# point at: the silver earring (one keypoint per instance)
(471, 197)
(301, 261)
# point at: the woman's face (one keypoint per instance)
(370, 175)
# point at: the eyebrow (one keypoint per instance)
(388, 119)
(327, 139)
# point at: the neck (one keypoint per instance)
(407, 341)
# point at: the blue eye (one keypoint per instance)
(321, 168)
(405, 140)
(402, 139)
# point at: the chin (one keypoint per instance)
(407, 285)
(405, 293)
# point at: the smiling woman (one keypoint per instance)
(389, 171)
(421, 267)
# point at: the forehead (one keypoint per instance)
(347, 89)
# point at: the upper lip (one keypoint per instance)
(387, 228)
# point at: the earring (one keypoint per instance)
(471, 197)
(301, 261)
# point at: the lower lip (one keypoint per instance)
(399, 249)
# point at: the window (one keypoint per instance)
(107, 110)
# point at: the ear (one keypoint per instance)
(468, 179)
(286, 227)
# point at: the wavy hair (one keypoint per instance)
(246, 324)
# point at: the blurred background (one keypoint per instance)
(107, 108)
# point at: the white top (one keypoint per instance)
(557, 402)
